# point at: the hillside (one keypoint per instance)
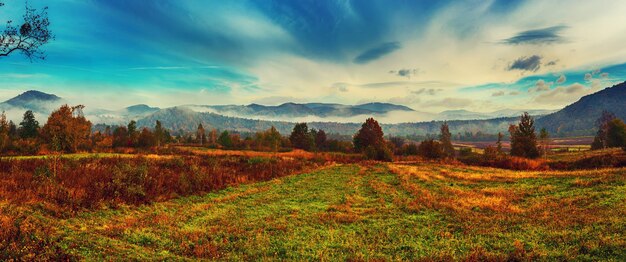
(580, 117)
(178, 118)
(36, 101)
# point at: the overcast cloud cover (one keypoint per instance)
(428, 55)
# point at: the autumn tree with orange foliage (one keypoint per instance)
(67, 129)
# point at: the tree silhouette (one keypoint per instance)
(499, 143)
(146, 138)
(28, 36)
(523, 138)
(370, 134)
(600, 140)
(320, 140)
(120, 137)
(225, 140)
(133, 134)
(29, 127)
(446, 141)
(160, 134)
(300, 137)
(12, 130)
(616, 133)
(200, 134)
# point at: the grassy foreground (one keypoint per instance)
(366, 212)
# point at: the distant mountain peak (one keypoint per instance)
(31, 96)
(383, 107)
(141, 109)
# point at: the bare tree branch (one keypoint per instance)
(29, 37)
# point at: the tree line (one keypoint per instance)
(67, 130)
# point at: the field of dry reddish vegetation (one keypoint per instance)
(263, 205)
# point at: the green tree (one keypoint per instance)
(225, 140)
(133, 133)
(29, 127)
(446, 141)
(616, 133)
(273, 138)
(200, 134)
(12, 130)
(300, 137)
(161, 135)
(523, 138)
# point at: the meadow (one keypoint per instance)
(217, 205)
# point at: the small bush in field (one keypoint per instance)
(490, 153)
(128, 182)
(503, 161)
(410, 149)
(430, 149)
(465, 152)
(381, 153)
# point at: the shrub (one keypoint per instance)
(490, 153)
(410, 149)
(504, 162)
(465, 151)
(70, 184)
(430, 149)
(381, 153)
(128, 182)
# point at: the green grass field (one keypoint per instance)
(365, 212)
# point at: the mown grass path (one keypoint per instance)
(369, 212)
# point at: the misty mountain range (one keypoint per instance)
(44, 103)
(576, 119)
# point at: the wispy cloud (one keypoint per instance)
(405, 72)
(562, 95)
(450, 102)
(427, 91)
(540, 86)
(498, 93)
(531, 63)
(549, 35)
(377, 52)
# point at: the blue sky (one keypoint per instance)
(428, 55)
